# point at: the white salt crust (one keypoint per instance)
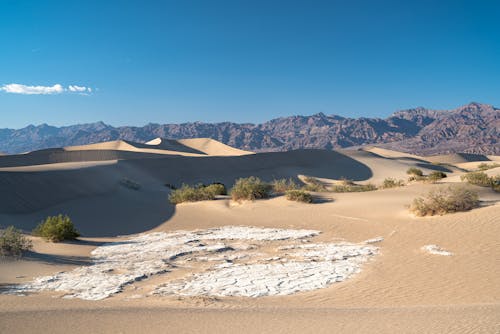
(436, 250)
(237, 264)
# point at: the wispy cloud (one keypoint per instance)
(14, 88)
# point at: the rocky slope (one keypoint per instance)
(473, 128)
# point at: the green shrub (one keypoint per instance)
(477, 178)
(13, 243)
(392, 183)
(283, 185)
(414, 171)
(56, 228)
(313, 184)
(250, 188)
(447, 200)
(187, 193)
(216, 189)
(348, 186)
(299, 196)
(436, 176)
(484, 166)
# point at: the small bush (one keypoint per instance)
(197, 193)
(392, 183)
(250, 188)
(495, 183)
(484, 166)
(313, 184)
(348, 186)
(283, 185)
(436, 176)
(13, 243)
(442, 201)
(414, 171)
(299, 196)
(56, 228)
(477, 178)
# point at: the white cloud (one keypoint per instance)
(14, 88)
(30, 90)
(79, 89)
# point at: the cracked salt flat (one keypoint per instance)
(303, 267)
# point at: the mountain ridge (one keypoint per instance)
(472, 128)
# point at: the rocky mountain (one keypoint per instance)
(473, 128)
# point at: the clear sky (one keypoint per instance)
(135, 62)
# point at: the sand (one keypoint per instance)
(454, 288)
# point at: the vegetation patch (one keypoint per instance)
(56, 229)
(250, 188)
(313, 184)
(13, 243)
(443, 201)
(436, 176)
(478, 178)
(200, 192)
(348, 186)
(413, 171)
(284, 185)
(484, 166)
(299, 196)
(392, 183)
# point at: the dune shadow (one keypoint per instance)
(438, 168)
(58, 259)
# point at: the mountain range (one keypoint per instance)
(472, 128)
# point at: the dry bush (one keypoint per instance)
(436, 176)
(445, 200)
(477, 178)
(392, 183)
(250, 188)
(413, 171)
(484, 166)
(283, 185)
(13, 243)
(313, 184)
(299, 196)
(348, 186)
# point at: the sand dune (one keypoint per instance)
(409, 286)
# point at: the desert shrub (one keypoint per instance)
(392, 183)
(299, 196)
(413, 171)
(56, 228)
(127, 183)
(348, 186)
(13, 243)
(477, 178)
(436, 176)
(188, 193)
(447, 200)
(313, 184)
(495, 183)
(250, 188)
(216, 189)
(283, 185)
(484, 166)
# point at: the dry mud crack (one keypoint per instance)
(226, 261)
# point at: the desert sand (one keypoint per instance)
(350, 262)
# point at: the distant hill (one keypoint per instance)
(473, 128)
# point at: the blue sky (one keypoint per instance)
(135, 62)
